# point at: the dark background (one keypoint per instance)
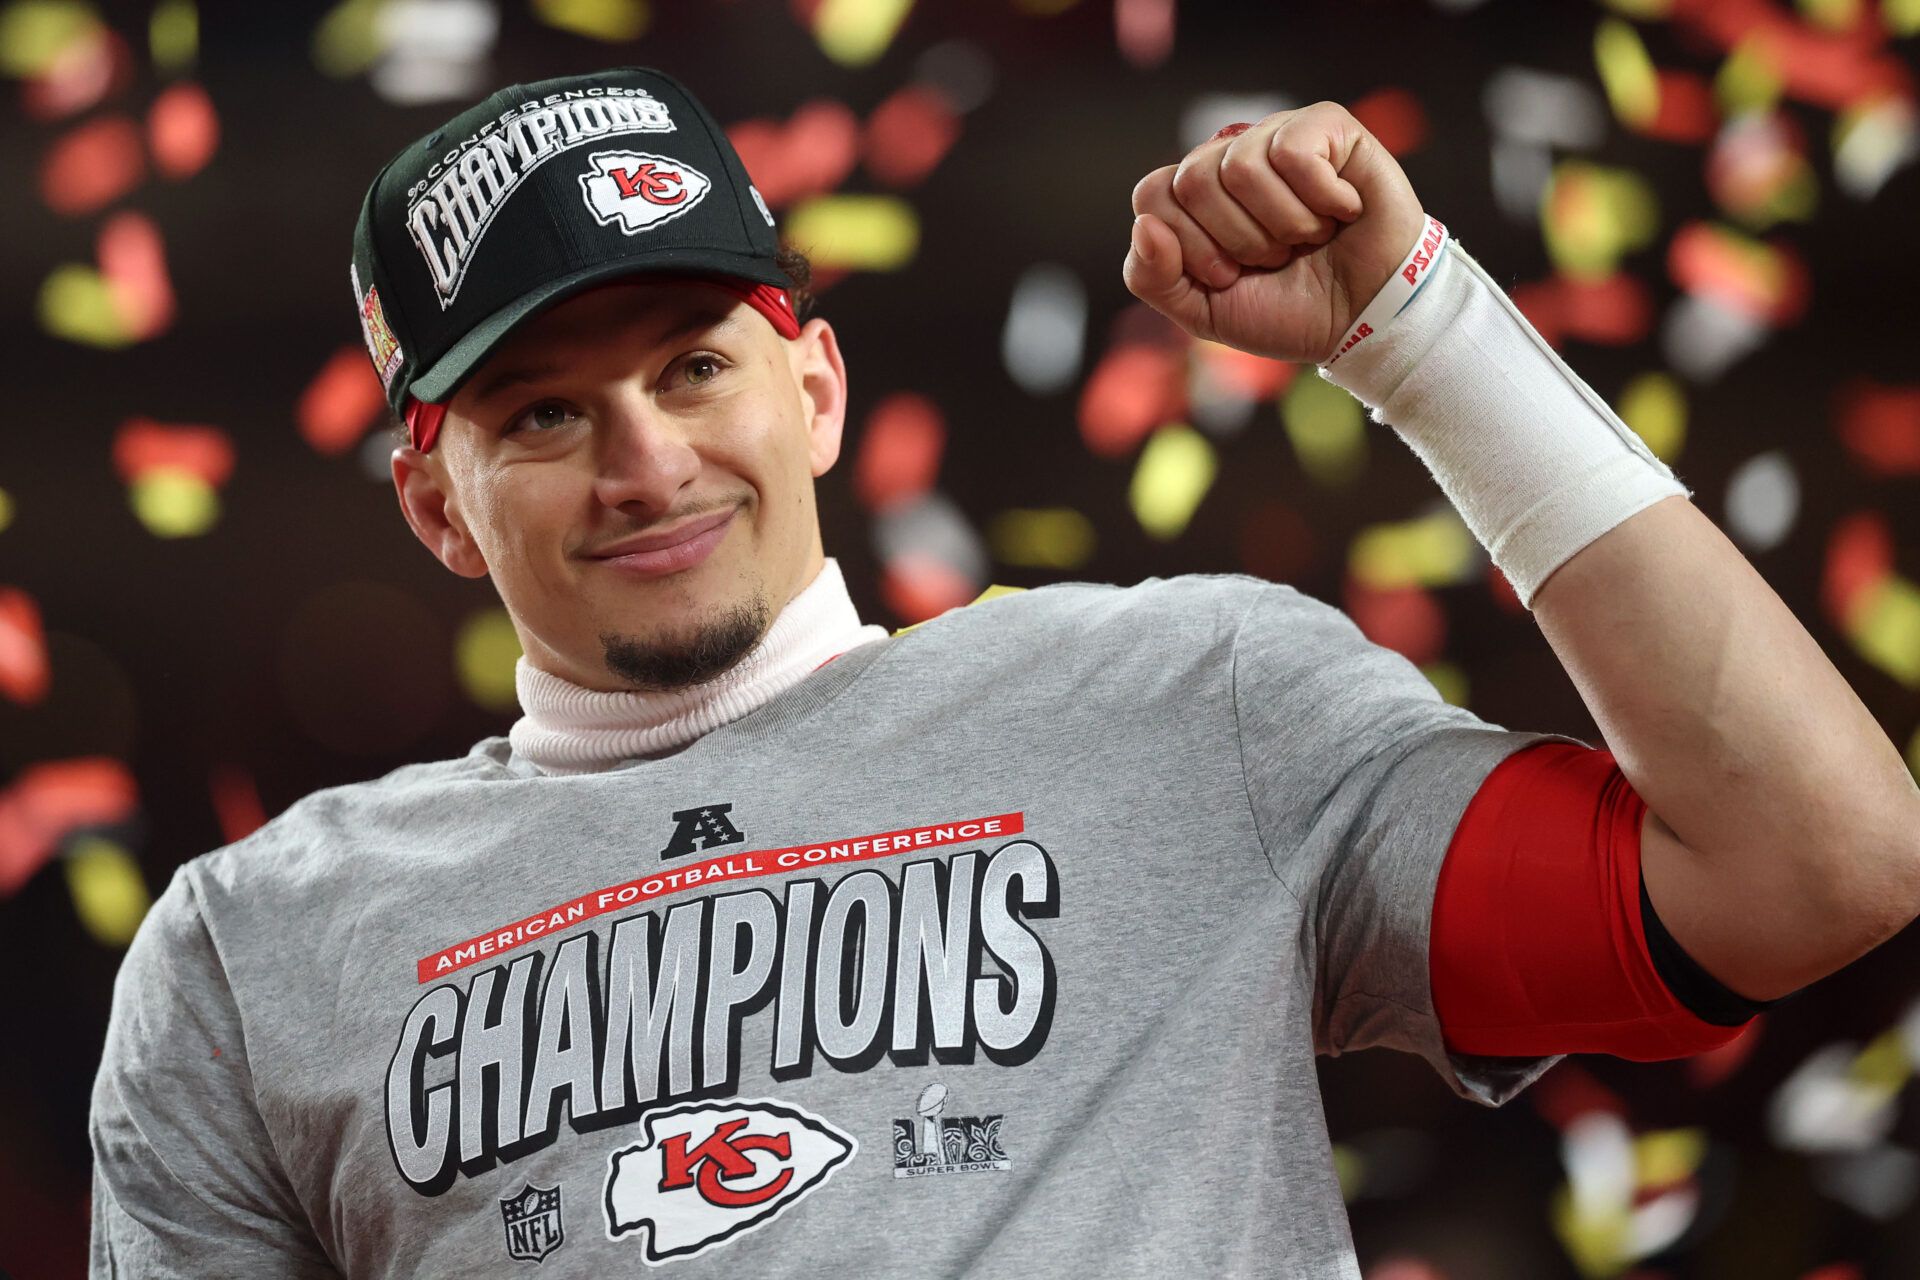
(305, 639)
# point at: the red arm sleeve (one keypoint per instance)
(1539, 942)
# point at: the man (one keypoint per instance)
(767, 943)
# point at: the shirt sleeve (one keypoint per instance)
(1358, 772)
(186, 1181)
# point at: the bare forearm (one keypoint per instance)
(1794, 808)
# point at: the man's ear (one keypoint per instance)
(432, 512)
(822, 375)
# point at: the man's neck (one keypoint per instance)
(566, 728)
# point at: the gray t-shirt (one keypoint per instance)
(999, 947)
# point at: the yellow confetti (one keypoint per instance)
(1747, 81)
(1598, 1242)
(1590, 215)
(1885, 627)
(1626, 73)
(174, 503)
(77, 304)
(1832, 15)
(1431, 551)
(608, 20)
(109, 893)
(347, 41)
(1644, 10)
(993, 592)
(1655, 406)
(1663, 1157)
(173, 33)
(858, 233)
(856, 32)
(1449, 679)
(1901, 16)
(6, 510)
(1048, 538)
(1174, 473)
(35, 32)
(1350, 1168)
(1327, 428)
(1883, 1066)
(484, 654)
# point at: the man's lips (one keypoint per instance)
(659, 554)
(661, 541)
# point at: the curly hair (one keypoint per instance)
(799, 272)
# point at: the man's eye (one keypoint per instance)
(702, 369)
(542, 417)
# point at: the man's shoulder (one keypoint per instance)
(1187, 603)
(317, 836)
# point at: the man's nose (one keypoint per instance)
(645, 455)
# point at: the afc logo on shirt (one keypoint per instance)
(700, 829)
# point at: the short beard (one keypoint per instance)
(714, 650)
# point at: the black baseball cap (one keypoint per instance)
(538, 193)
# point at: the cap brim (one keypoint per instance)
(438, 383)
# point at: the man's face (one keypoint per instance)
(637, 410)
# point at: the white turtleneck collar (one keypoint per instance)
(566, 728)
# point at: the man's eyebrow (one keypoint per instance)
(512, 376)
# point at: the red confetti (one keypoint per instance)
(1859, 559)
(909, 134)
(1503, 593)
(183, 130)
(48, 801)
(1686, 111)
(1544, 304)
(1407, 620)
(1245, 374)
(1826, 69)
(1133, 389)
(1569, 1091)
(341, 403)
(809, 155)
(1615, 311)
(1880, 427)
(917, 587)
(86, 73)
(25, 674)
(899, 451)
(1276, 543)
(1403, 1268)
(1395, 118)
(1144, 30)
(1714, 1066)
(236, 801)
(134, 262)
(92, 165)
(1835, 1271)
(143, 444)
(1771, 285)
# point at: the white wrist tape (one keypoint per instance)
(1537, 464)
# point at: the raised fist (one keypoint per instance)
(1273, 237)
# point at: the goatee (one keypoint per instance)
(716, 646)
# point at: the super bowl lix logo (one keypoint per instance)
(709, 1172)
(946, 1144)
(637, 190)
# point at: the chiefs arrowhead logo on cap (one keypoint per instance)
(639, 190)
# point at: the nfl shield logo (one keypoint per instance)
(532, 1218)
